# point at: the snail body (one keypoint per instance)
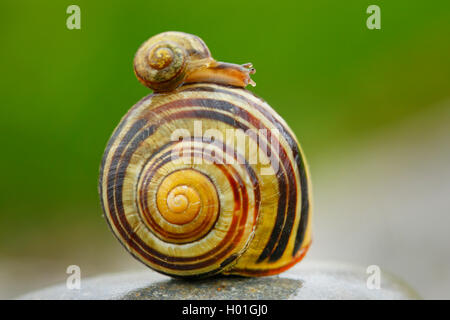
(184, 183)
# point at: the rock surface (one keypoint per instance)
(308, 280)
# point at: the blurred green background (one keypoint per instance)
(63, 92)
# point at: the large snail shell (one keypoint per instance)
(198, 219)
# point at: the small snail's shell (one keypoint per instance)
(163, 62)
(219, 211)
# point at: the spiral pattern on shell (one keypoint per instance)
(162, 62)
(193, 204)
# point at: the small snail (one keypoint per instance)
(202, 177)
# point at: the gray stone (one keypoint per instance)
(308, 280)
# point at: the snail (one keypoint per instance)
(202, 177)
